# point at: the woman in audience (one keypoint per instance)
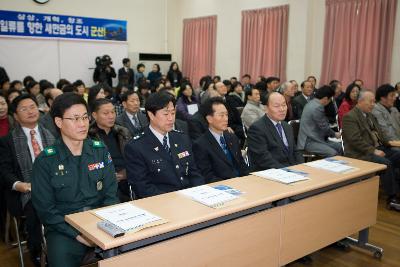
(186, 105)
(174, 75)
(33, 89)
(208, 90)
(12, 93)
(236, 97)
(154, 75)
(349, 101)
(16, 84)
(96, 92)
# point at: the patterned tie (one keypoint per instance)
(228, 154)
(136, 121)
(224, 147)
(35, 143)
(280, 132)
(165, 145)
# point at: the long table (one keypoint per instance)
(272, 225)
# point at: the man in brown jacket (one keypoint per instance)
(363, 139)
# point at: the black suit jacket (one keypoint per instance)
(182, 126)
(298, 104)
(152, 171)
(124, 120)
(197, 126)
(212, 161)
(130, 75)
(266, 148)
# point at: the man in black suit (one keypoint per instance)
(132, 118)
(160, 160)
(126, 75)
(217, 152)
(302, 99)
(18, 151)
(198, 125)
(270, 139)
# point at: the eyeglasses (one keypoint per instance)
(26, 109)
(76, 119)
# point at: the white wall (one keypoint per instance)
(305, 34)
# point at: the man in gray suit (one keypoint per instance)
(132, 118)
(387, 115)
(270, 139)
(314, 126)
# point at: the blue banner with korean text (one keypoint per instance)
(15, 23)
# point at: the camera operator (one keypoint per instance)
(104, 72)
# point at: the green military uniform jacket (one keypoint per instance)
(63, 184)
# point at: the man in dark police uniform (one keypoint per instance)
(73, 175)
(160, 160)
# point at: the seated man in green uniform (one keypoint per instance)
(73, 175)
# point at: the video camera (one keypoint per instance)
(103, 61)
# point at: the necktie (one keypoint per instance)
(224, 146)
(228, 154)
(280, 132)
(136, 121)
(165, 145)
(35, 143)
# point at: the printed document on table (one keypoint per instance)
(280, 175)
(330, 165)
(208, 195)
(129, 217)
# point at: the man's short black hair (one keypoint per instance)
(100, 102)
(125, 60)
(18, 99)
(206, 109)
(27, 79)
(246, 76)
(383, 91)
(44, 85)
(249, 92)
(325, 91)
(61, 83)
(158, 101)
(78, 83)
(304, 83)
(69, 88)
(64, 102)
(124, 96)
(271, 79)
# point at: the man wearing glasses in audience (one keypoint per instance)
(75, 174)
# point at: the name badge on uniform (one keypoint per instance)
(99, 185)
(183, 154)
(96, 166)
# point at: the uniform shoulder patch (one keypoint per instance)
(136, 137)
(50, 151)
(98, 144)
